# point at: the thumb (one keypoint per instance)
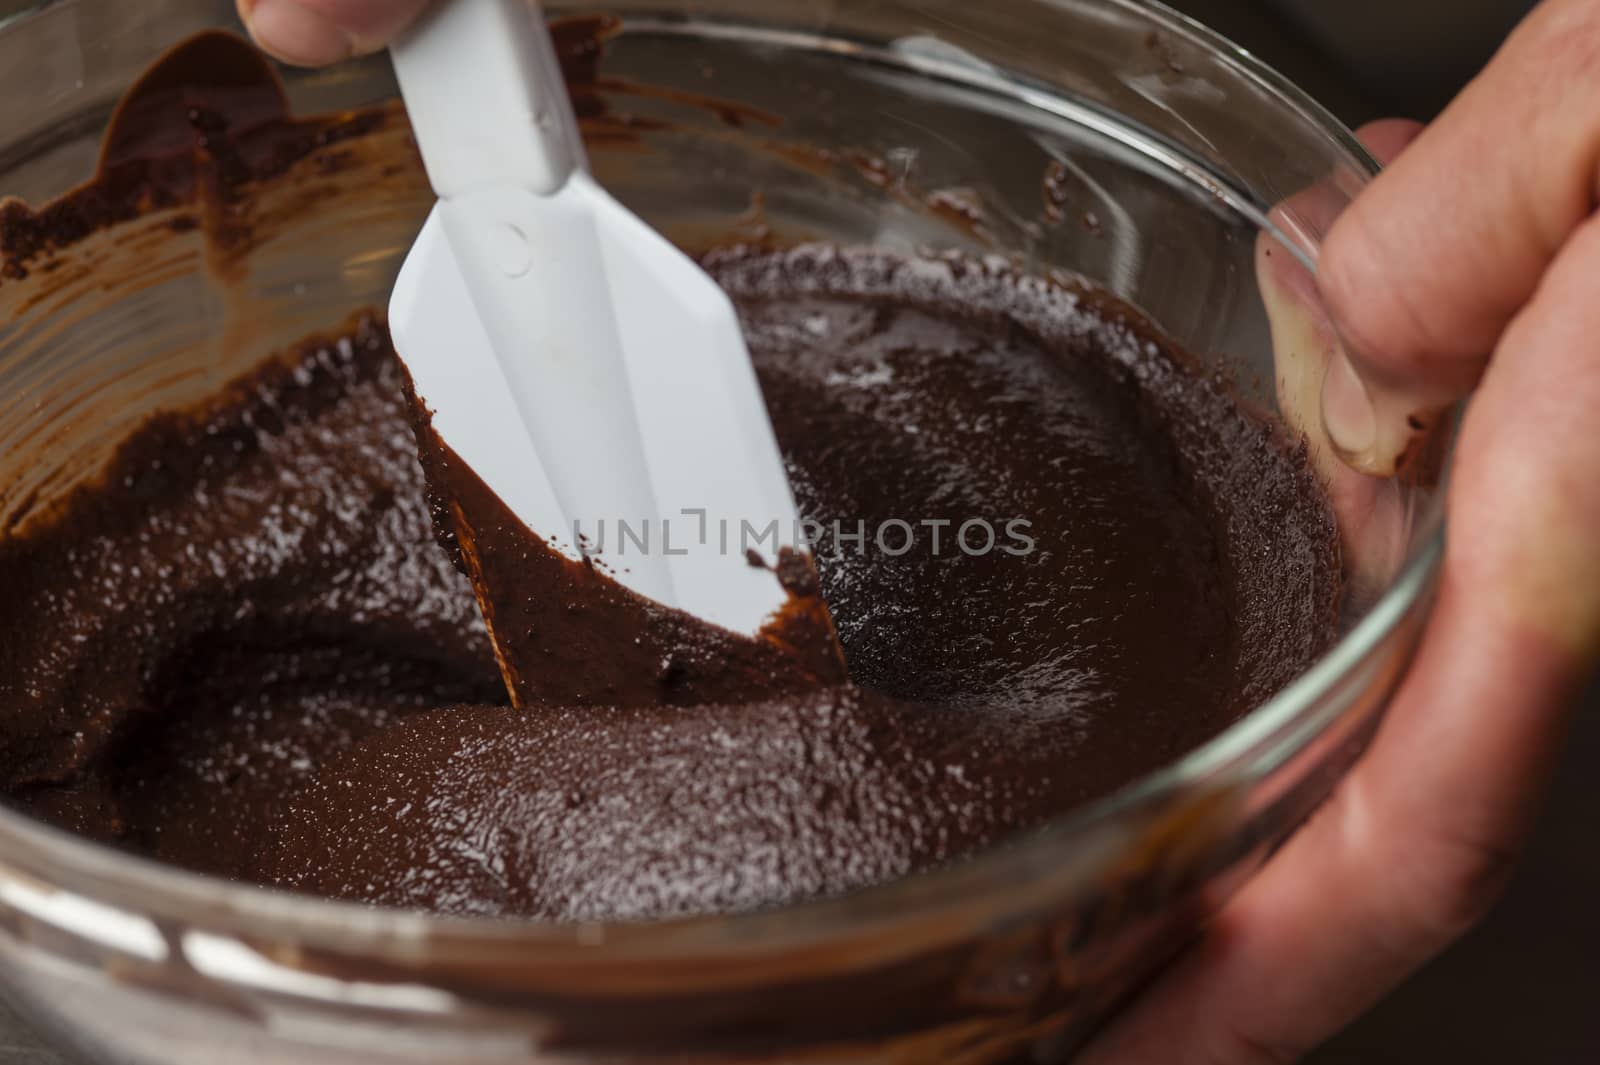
(1429, 266)
(314, 33)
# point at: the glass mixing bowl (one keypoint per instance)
(1107, 138)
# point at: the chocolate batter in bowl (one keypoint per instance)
(1002, 269)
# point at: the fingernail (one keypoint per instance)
(1348, 415)
(286, 29)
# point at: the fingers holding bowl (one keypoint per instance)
(1310, 359)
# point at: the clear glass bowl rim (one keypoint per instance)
(940, 902)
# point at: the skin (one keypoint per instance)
(1466, 268)
(315, 33)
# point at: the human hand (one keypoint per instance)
(1481, 238)
(314, 33)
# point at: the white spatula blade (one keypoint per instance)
(714, 482)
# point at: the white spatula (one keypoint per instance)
(585, 368)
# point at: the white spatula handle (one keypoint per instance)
(482, 86)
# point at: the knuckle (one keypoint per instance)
(1433, 877)
(1237, 1047)
(1455, 880)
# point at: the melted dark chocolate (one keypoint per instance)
(565, 633)
(245, 652)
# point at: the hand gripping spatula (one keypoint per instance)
(586, 369)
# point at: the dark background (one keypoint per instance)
(1524, 989)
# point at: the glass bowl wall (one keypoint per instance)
(1104, 138)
